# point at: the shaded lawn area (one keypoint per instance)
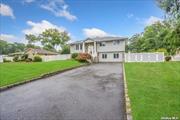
(11, 73)
(154, 90)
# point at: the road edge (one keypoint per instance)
(127, 100)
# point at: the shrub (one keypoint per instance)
(37, 59)
(162, 50)
(65, 49)
(83, 57)
(5, 60)
(168, 58)
(16, 59)
(28, 60)
(74, 55)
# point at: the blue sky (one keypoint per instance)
(81, 18)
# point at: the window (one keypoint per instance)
(104, 56)
(102, 44)
(116, 55)
(81, 46)
(77, 47)
(116, 42)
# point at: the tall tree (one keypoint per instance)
(172, 10)
(31, 38)
(52, 39)
(6, 48)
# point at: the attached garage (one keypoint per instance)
(110, 56)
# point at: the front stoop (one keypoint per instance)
(127, 100)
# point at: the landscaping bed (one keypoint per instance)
(154, 90)
(15, 72)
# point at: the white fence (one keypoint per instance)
(176, 57)
(144, 57)
(6, 57)
(56, 57)
(1, 58)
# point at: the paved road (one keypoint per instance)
(88, 93)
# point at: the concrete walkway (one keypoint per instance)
(88, 93)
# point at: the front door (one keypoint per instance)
(90, 49)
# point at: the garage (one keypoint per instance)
(110, 57)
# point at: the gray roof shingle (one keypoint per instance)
(99, 39)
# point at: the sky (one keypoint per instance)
(80, 18)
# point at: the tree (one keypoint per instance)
(161, 36)
(6, 48)
(65, 49)
(31, 38)
(172, 10)
(172, 38)
(52, 39)
(3, 47)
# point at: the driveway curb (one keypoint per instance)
(38, 78)
(127, 100)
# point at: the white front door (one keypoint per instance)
(90, 50)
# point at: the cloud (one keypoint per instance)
(39, 27)
(94, 32)
(8, 37)
(151, 20)
(5, 10)
(130, 15)
(59, 8)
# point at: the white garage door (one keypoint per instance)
(111, 57)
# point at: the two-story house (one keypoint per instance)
(102, 49)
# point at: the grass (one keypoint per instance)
(154, 90)
(11, 73)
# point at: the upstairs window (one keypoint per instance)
(116, 55)
(102, 44)
(116, 42)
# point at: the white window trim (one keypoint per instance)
(102, 44)
(116, 42)
(104, 56)
(116, 55)
(78, 46)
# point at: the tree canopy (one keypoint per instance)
(6, 48)
(160, 36)
(50, 39)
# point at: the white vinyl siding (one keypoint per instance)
(111, 47)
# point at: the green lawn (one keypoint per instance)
(11, 73)
(154, 90)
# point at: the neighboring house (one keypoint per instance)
(37, 51)
(102, 49)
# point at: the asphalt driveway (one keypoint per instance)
(88, 93)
